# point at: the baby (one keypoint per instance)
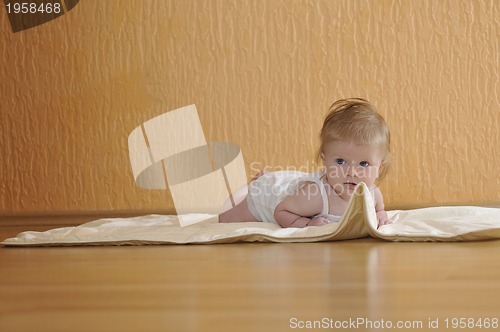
(355, 148)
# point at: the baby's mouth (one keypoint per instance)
(351, 184)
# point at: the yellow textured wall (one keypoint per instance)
(262, 74)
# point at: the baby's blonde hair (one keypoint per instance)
(356, 120)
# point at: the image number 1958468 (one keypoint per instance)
(28, 14)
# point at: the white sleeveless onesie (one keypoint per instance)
(267, 191)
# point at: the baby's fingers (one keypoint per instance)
(384, 222)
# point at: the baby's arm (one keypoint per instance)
(294, 210)
(380, 209)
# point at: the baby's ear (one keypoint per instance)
(322, 157)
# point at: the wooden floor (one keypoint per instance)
(248, 287)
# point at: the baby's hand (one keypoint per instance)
(384, 222)
(382, 218)
(318, 221)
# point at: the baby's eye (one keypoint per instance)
(340, 161)
(364, 164)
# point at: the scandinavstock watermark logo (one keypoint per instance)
(170, 152)
(28, 14)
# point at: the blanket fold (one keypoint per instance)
(460, 223)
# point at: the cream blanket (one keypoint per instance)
(462, 223)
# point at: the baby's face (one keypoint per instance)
(347, 164)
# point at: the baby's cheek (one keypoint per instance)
(374, 172)
(371, 174)
(333, 172)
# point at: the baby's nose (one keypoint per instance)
(352, 171)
